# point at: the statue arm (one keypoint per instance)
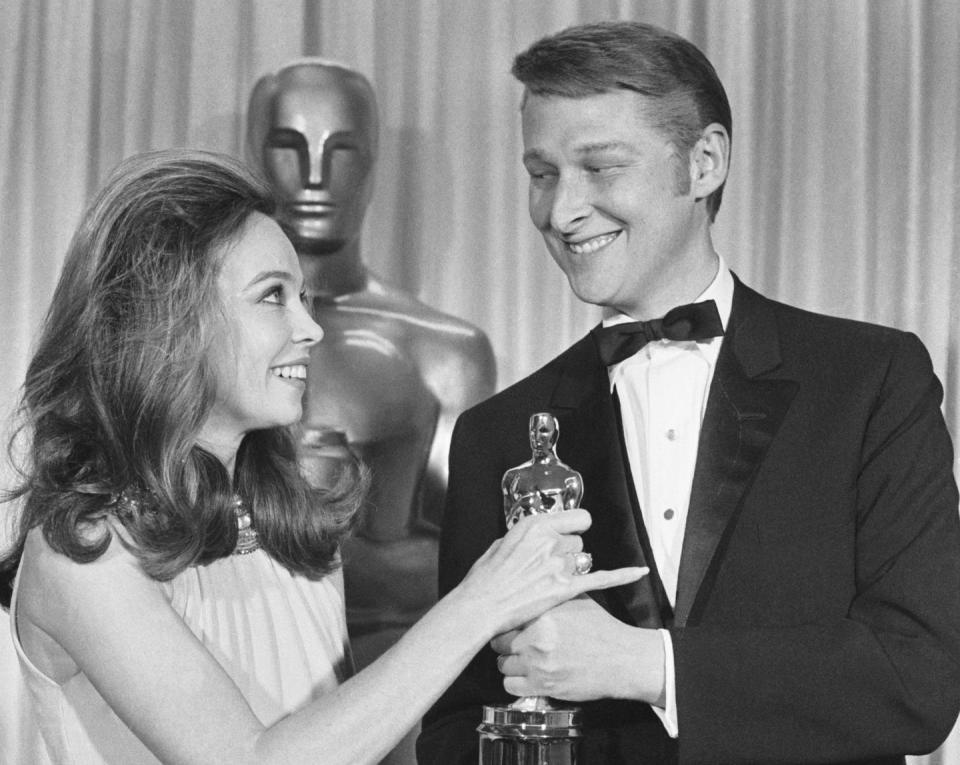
(466, 377)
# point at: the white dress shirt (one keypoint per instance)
(663, 395)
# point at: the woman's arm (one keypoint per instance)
(115, 623)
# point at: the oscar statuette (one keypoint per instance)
(535, 730)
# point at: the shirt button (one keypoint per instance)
(668, 513)
(671, 435)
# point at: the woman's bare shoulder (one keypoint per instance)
(53, 586)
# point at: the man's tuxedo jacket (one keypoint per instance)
(817, 615)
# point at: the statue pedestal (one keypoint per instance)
(511, 736)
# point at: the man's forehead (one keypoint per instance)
(613, 122)
(585, 144)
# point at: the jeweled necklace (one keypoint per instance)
(247, 539)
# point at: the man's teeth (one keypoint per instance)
(591, 245)
(298, 371)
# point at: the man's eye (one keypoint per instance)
(542, 177)
(538, 171)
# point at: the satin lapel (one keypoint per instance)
(589, 442)
(744, 411)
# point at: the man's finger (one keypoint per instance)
(503, 642)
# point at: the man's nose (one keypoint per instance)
(570, 203)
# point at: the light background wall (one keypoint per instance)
(843, 196)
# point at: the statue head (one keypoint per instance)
(312, 133)
(544, 432)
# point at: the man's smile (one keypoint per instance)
(591, 245)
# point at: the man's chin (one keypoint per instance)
(588, 293)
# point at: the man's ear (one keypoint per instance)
(709, 160)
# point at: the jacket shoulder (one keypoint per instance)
(537, 387)
(806, 333)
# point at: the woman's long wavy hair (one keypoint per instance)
(119, 387)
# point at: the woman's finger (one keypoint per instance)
(565, 522)
(569, 544)
(602, 580)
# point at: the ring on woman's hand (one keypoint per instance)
(500, 659)
(582, 563)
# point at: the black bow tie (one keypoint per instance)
(694, 321)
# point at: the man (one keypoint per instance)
(391, 374)
(786, 476)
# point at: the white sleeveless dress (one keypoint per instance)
(281, 637)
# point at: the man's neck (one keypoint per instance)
(684, 285)
(334, 274)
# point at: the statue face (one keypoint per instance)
(317, 149)
(543, 432)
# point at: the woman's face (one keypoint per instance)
(261, 346)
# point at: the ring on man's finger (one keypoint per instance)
(582, 563)
(500, 660)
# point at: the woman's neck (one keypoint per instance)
(223, 449)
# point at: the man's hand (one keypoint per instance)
(578, 652)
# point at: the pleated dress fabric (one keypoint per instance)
(281, 638)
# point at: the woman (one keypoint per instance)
(179, 596)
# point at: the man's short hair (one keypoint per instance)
(607, 56)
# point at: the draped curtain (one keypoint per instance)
(843, 196)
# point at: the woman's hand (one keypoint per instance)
(533, 568)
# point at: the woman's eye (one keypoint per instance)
(275, 295)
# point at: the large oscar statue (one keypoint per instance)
(536, 730)
(391, 374)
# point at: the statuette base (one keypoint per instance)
(512, 736)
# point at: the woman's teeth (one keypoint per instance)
(296, 371)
